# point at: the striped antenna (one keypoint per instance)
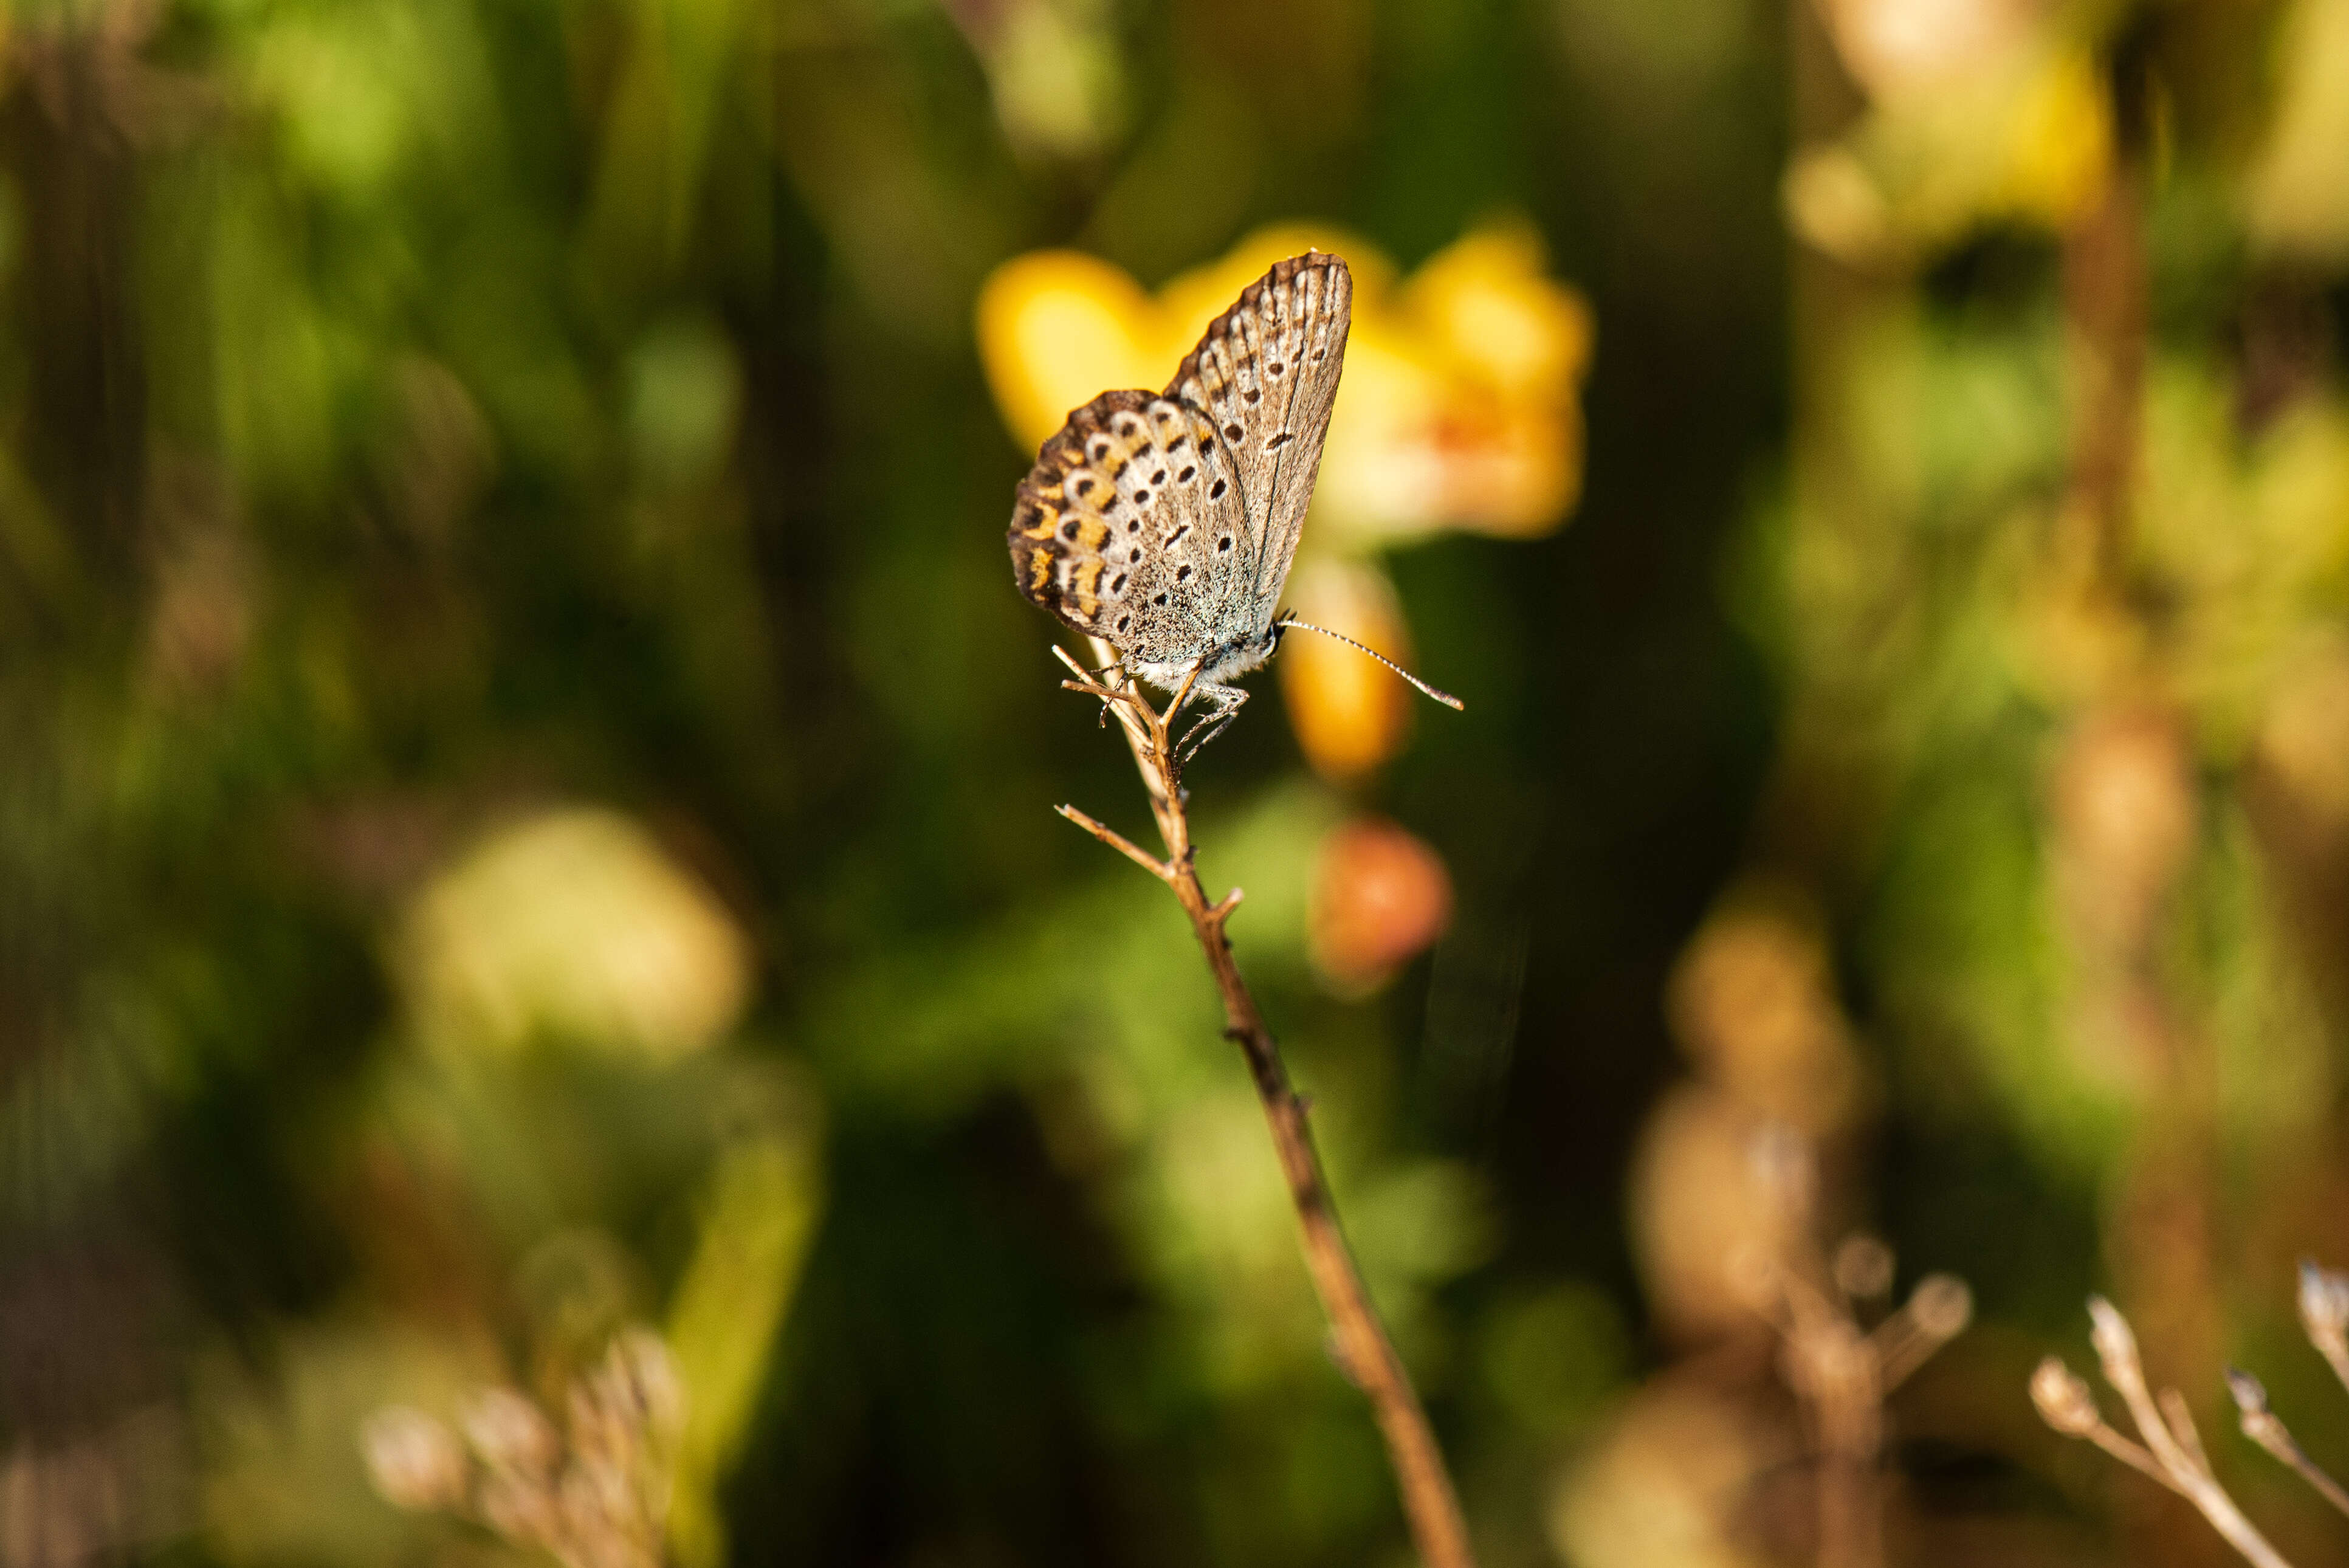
(1446, 698)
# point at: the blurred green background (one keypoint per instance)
(526, 784)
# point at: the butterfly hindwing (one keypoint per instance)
(1130, 525)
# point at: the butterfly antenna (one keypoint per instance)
(1445, 698)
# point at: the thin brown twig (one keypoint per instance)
(1840, 1372)
(1363, 1352)
(2265, 1427)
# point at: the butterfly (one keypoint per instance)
(1166, 523)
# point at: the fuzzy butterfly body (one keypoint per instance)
(1166, 523)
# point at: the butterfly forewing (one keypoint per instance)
(1266, 373)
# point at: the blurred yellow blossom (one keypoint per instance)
(2298, 188)
(1055, 327)
(1752, 1004)
(1661, 1484)
(1349, 715)
(575, 923)
(1458, 408)
(2008, 121)
(1896, 48)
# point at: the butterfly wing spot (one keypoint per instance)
(1134, 527)
(1068, 531)
(1141, 498)
(1276, 368)
(1182, 573)
(1250, 396)
(1160, 600)
(1216, 490)
(1117, 583)
(1178, 536)
(1159, 478)
(1223, 544)
(1282, 440)
(1124, 621)
(1233, 433)
(1188, 475)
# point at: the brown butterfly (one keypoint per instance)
(1166, 523)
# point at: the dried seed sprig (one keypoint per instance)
(592, 1492)
(2171, 1451)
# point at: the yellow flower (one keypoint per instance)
(2023, 131)
(1458, 406)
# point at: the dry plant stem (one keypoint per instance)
(2135, 1458)
(2335, 1358)
(2265, 1427)
(1364, 1353)
(2271, 1435)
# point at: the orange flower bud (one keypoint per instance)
(1381, 897)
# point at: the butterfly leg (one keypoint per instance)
(1226, 701)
